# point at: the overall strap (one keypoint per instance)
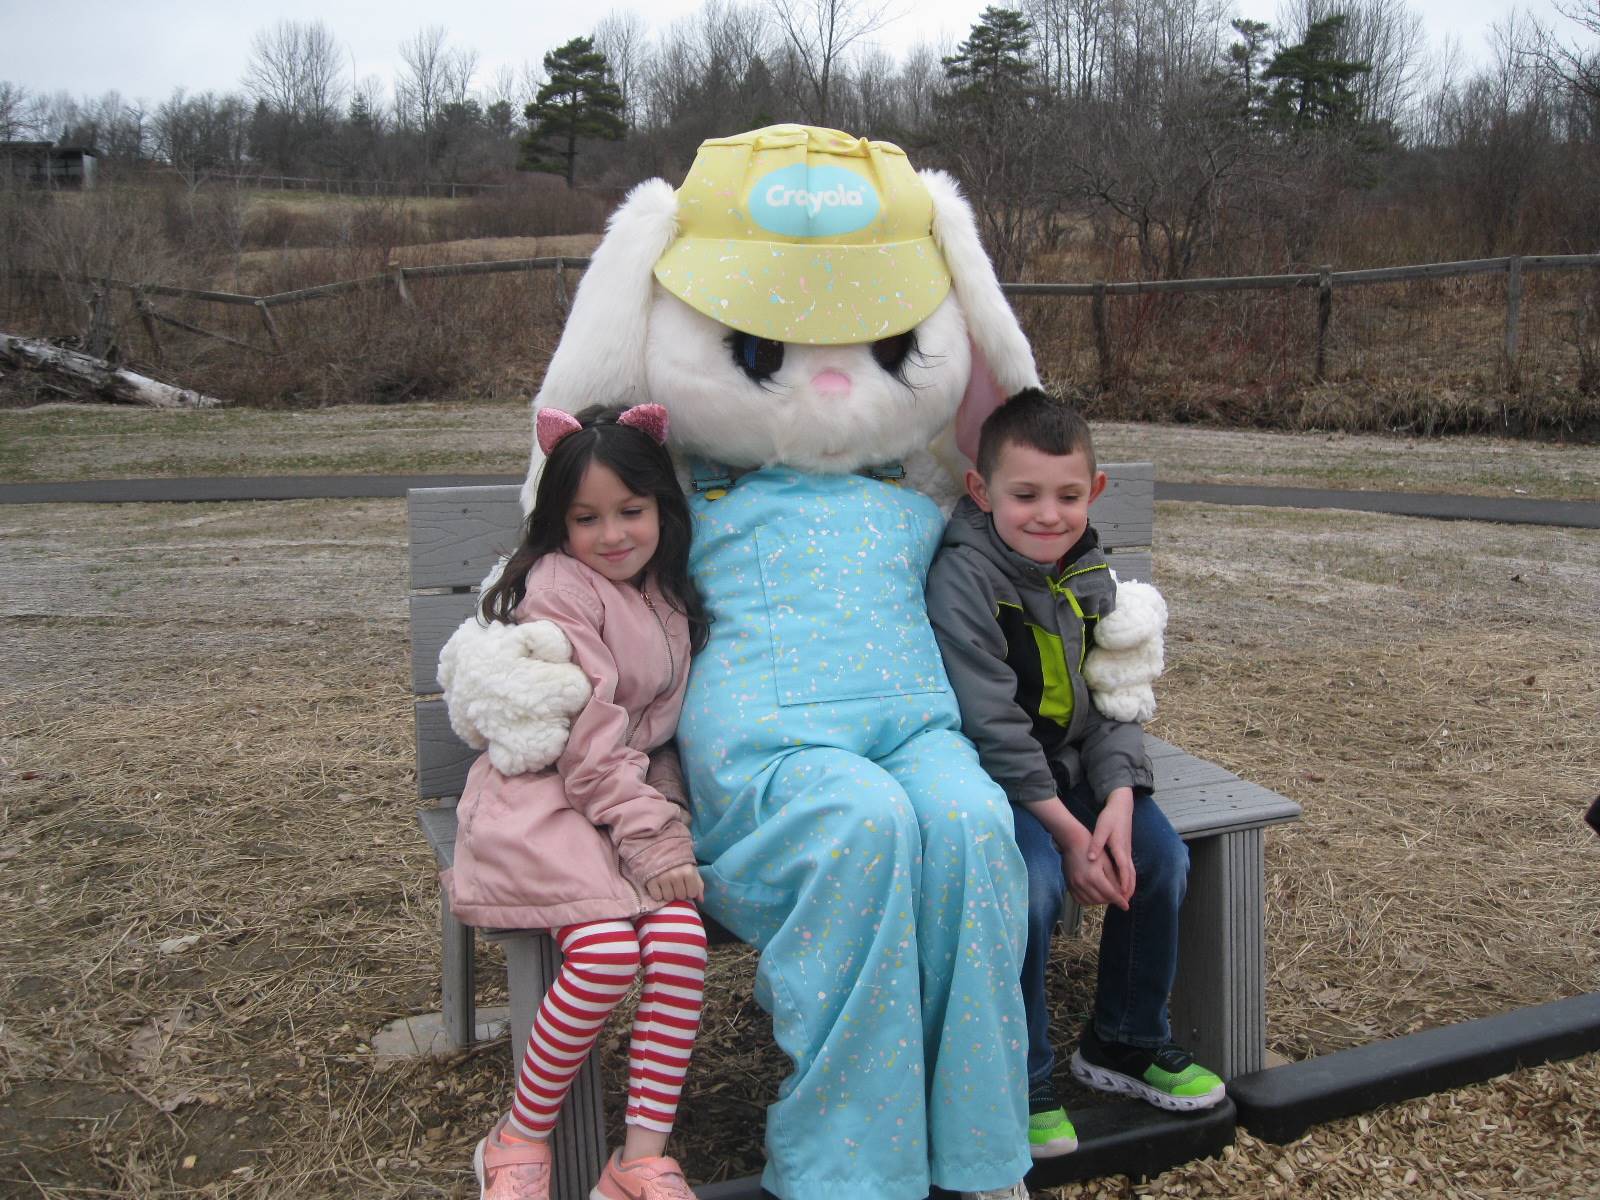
(709, 479)
(712, 480)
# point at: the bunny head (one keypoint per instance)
(804, 299)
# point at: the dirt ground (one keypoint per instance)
(80, 441)
(216, 893)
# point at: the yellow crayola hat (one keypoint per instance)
(805, 235)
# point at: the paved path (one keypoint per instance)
(1578, 514)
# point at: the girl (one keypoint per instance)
(596, 848)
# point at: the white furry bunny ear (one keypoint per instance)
(600, 358)
(1002, 360)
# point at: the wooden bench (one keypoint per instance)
(1219, 1005)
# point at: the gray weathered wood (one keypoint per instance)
(1219, 1004)
(397, 273)
(457, 991)
(434, 617)
(149, 313)
(1471, 266)
(324, 291)
(496, 267)
(442, 758)
(1324, 318)
(1513, 311)
(117, 382)
(578, 1144)
(456, 534)
(1132, 564)
(270, 325)
(1101, 320)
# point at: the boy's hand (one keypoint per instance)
(676, 883)
(1113, 843)
(1090, 878)
(1091, 881)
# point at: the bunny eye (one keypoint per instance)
(892, 353)
(759, 358)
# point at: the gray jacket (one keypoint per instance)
(1014, 638)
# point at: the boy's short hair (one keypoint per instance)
(1035, 419)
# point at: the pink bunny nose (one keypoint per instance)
(831, 383)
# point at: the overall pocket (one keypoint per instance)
(846, 611)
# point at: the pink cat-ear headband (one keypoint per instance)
(551, 424)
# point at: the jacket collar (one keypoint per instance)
(971, 526)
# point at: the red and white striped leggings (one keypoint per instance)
(600, 960)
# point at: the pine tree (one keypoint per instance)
(579, 101)
(994, 56)
(1311, 82)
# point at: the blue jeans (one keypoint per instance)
(1138, 948)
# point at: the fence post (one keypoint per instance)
(1513, 315)
(142, 303)
(1102, 335)
(1324, 318)
(97, 335)
(272, 326)
(561, 284)
(397, 273)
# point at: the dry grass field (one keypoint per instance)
(216, 895)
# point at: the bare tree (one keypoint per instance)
(1072, 42)
(434, 77)
(460, 65)
(504, 87)
(110, 125)
(705, 67)
(420, 87)
(1500, 134)
(1162, 182)
(1575, 65)
(18, 114)
(869, 77)
(820, 32)
(919, 81)
(622, 37)
(297, 68)
(1442, 71)
(201, 133)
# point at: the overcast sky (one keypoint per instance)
(146, 49)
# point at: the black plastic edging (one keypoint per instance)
(1125, 1138)
(1281, 1103)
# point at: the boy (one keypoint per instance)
(1014, 594)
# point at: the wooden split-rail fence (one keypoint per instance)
(1324, 281)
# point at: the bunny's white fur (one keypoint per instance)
(512, 689)
(628, 341)
(1128, 654)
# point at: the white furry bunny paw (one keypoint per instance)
(512, 689)
(1129, 654)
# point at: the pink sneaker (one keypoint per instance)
(641, 1179)
(511, 1170)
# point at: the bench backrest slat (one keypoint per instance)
(456, 534)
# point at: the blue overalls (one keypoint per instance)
(852, 836)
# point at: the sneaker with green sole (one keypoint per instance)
(1050, 1133)
(1168, 1077)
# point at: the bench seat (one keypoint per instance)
(1218, 1008)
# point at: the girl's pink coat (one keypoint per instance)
(578, 841)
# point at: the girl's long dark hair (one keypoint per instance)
(645, 468)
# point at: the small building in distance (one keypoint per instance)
(41, 164)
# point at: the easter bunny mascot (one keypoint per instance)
(812, 313)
